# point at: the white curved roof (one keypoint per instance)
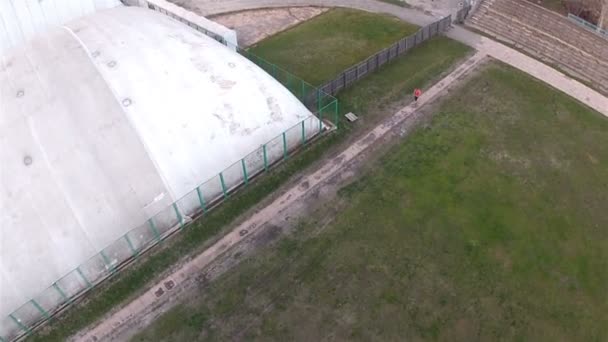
(107, 120)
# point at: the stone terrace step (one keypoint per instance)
(551, 48)
(550, 23)
(545, 46)
(557, 41)
(548, 49)
(554, 24)
(576, 66)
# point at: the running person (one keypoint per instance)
(417, 94)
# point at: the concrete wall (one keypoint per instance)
(216, 31)
(21, 20)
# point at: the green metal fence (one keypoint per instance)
(375, 62)
(315, 99)
(177, 216)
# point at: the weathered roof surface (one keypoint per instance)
(21, 20)
(107, 120)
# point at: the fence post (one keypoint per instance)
(244, 171)
(320, 120)
(336, 110)
(284, 146)
(265, 157)
(42, 311)
(133, 250)
(154, 230)
(106, 260)
(61, 293)
(224, 190)
(89, 285)
(179, 215)
(21, 325)
(303, 133)
(318, 99)
(201, 199)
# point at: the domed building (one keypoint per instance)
(105, 122)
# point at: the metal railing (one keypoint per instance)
(589, 26)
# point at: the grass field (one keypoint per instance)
(390, 89)
(487, 223)
(372, 99)
(319, 49)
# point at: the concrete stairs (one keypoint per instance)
(548, 36)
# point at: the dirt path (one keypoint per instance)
(121, 324)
